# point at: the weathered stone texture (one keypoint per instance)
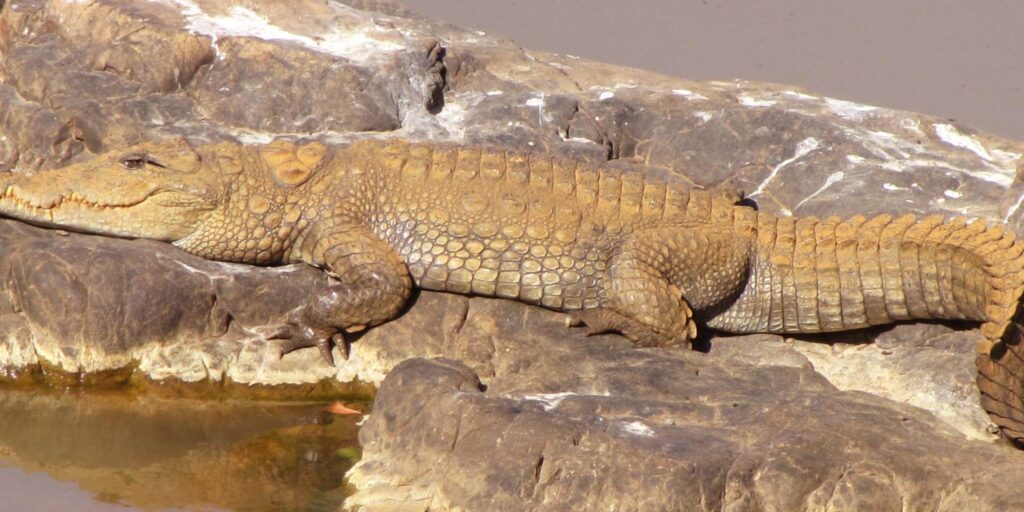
(759, 422)
(675, 431)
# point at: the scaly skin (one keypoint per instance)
(619, 252)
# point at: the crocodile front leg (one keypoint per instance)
(370, 285)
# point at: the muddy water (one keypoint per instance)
(118, 452)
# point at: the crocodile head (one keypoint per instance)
(162, 191)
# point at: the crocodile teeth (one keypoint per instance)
(37, 209)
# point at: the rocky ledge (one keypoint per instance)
(873, 420)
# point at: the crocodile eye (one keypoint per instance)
(134, 161)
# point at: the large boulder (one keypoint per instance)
(660, 430)
(758, 421)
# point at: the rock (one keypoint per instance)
(859, 418)
(85, 304)
(212, 69)
(663, 430)
(904, 370)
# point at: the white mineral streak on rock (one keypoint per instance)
(891, 187)
(254, 137)
(192, 269)
(849, 110)
(800, 95)
(637, 428)
(452, 118)
(952, 194)
(832, 179)
(559, 66)
(495, 93)
(688, 94)
(549, 400)
(226, 269)
(887, 145)
(748, 101)
(607, 95)
(538, 103)
(908, 164)
(356, 45)
(1010, 156)
(899, 154)
(802, 149)
(1013, 209)
(248, 136)
(954, 137)
(907, 151)
(703, 116)
(580, 140)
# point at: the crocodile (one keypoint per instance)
(636, 253)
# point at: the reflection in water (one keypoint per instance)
(171, 454)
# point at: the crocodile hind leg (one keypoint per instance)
(628, 322)
(638, 300)
(370, 284)
(657, 278)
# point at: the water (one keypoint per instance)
(110, 451)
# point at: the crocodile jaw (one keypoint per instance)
(165, 194)
(160, 215)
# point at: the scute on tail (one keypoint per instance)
(1000, 359)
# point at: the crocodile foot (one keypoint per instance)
(599, 321)
(297, 334)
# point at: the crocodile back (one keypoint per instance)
(537, 228)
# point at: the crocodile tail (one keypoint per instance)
(1000, 355)
(1000, 363)
(812, 275)
(985, 282)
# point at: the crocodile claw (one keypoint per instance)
(295, 337)
(343, 345)
(602, 321)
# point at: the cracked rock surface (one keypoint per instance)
(654, 430)
(874, 420)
